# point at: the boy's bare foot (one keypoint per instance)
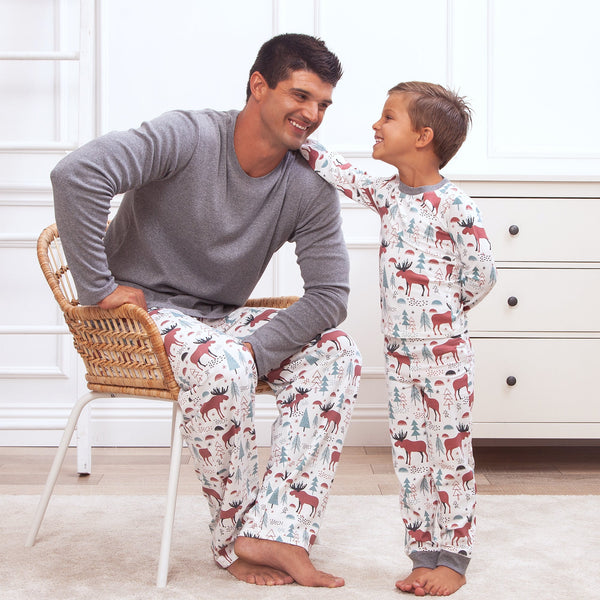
(258, 574)
(441, 581)
(417, 575)
(292, 560)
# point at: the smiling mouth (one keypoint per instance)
(378, 140)
(298, 125)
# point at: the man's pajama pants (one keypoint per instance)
(315, 392)
(430, 391)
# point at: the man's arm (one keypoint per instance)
(324, 265)
(85, 182)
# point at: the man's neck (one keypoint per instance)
(256, 157)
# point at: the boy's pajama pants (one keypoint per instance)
(315, 393)
(430, 391)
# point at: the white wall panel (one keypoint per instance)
(380, 44)
(39, 118)
(528, 54)
(528, 68)
(183, 54)
(296, 16)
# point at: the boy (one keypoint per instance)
(435, 264)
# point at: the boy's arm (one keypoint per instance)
(478, 271)
(333, 168)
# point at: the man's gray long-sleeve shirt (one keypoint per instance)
(195, 232)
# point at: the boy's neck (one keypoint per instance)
(415, 178)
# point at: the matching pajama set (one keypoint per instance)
(195, 233)
(435, 264)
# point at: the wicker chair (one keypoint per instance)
(124, 356)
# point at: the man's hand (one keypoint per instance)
(124, 295)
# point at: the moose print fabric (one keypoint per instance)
(430, 423)
(315, 394)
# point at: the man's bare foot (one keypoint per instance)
(292, 560)
(441, 581)
(258, 574)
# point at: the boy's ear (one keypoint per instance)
(425, 137)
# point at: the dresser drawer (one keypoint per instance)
(549, 229)
(554, 380)
(557, 299)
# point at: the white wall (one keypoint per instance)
(529, 68)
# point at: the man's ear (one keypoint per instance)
(425, 137)
(257, 85)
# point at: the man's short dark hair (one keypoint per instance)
(283, 54)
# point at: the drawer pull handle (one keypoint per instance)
(513, 301)
(511, 380)
(513, 229)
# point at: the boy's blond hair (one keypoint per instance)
(447, 113)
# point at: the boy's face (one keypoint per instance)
(292, 111)
(395, 137)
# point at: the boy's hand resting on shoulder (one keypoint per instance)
(124, 295)
(250, 349)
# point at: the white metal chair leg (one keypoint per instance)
(84, 443)
(165, 545)
(56, 465)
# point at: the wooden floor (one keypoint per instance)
(362, 470)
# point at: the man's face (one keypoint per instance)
(292, 111)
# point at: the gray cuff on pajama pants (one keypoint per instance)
(443, 558)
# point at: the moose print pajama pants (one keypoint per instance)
(430, 391)
(315, 393)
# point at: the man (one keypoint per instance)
(209, 198)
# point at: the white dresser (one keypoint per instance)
(537, 335)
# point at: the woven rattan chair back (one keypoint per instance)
(121, 348)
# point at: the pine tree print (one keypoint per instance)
(426, 353)
(415, 428)
(415, 396)
(232, 363)
(429, 232)
(304, 422)
(274, 499)
(425, 321)
(324, 384)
